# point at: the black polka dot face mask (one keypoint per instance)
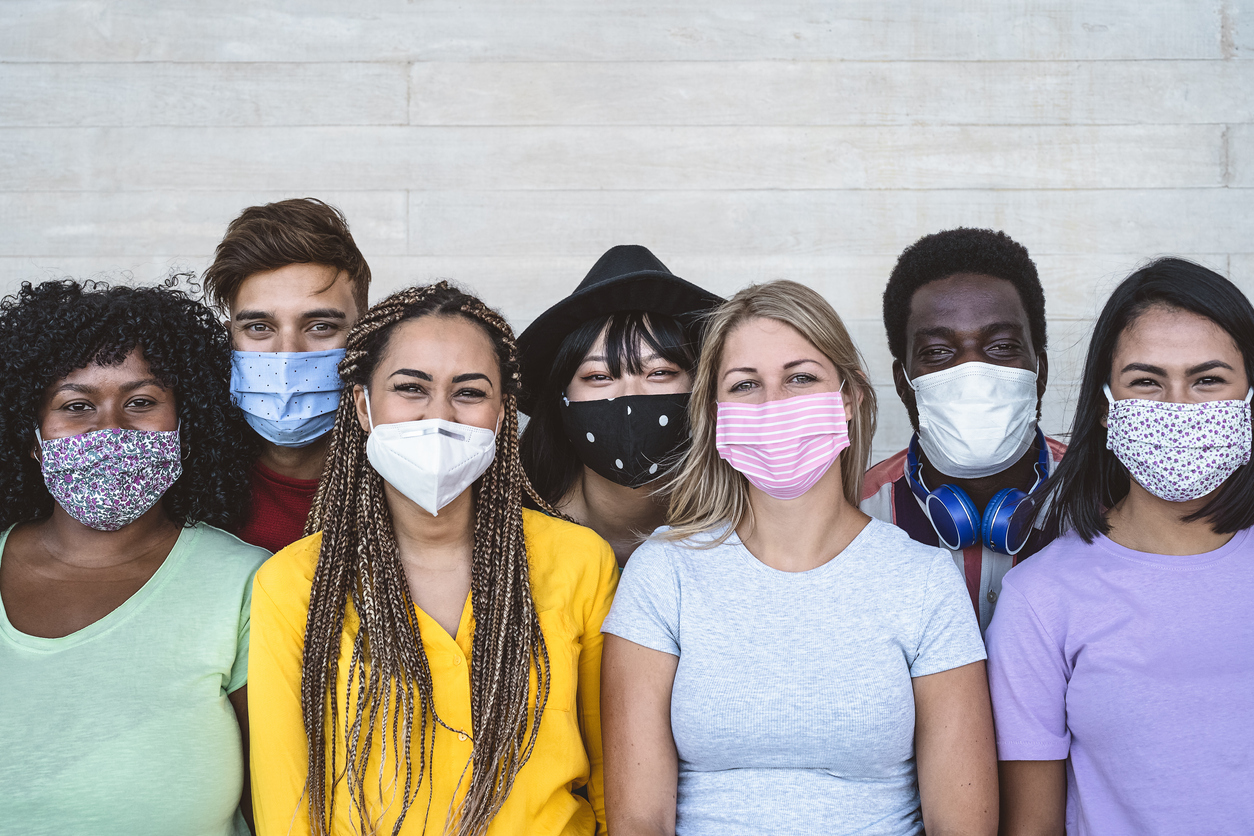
(629, 440)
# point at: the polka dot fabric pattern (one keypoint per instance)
(1179, 451)
(629, 440)
(288, 398)
(107, 479)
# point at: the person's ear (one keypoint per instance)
(359, 400)
(1042, 380)
(905, 391)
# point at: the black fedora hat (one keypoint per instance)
(627, 278)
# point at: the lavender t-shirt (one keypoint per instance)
(1139, 669)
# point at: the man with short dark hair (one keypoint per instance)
(965, 316)
(291, 282)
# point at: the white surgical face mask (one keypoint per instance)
(430, 461)
(975, 419)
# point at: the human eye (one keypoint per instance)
(76, 406)
(802, 378)
(409, 388)
(471, 393)
(743, 386)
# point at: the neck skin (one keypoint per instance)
(78, 548)
(796, 535)
(442, 543)
(1021, 475)
(296, 462)
(1144, 523)
(623, 516)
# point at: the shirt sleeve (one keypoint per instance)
(239, 668)
(646, 606)
(278, 752)
(949, 636)
(1027, 677)
(589, 691)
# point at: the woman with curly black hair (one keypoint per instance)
(124, 625)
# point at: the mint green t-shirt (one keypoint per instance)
(124, 728)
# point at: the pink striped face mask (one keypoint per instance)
(783, 447)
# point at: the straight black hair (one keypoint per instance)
(548, 457)
(1090, 479)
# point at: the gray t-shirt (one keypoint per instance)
(792, 708)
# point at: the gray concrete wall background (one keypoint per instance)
(507, 144)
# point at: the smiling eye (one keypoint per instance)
(742, 386)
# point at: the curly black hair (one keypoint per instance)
(962, 250)
(50, 330)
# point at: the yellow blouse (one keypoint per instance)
(573, 577)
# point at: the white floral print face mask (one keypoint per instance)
(1179, 451)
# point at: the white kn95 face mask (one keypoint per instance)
(430, 461)
(975, 419)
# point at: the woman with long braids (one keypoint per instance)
(429, 660)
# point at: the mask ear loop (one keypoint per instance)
(369, 417)
(1249, 394)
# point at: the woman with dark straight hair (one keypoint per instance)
(1119, 655)
(606, 375)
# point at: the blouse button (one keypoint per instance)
(457, 660)
(992, 596)
(461, 735)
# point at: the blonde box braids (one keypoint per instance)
(389, 678)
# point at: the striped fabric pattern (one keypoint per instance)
(783, 447)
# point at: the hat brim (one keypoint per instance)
(650, 291)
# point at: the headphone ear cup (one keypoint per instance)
(953, 515)
(1007, 521)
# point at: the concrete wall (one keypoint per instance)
(507, 144)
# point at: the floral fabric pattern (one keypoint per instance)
(108, 478)
(1179, 451)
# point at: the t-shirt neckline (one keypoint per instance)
(854, 546)
(122, 614)
(289, 482)
(1175, 561)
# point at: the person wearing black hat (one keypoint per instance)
(606, 374)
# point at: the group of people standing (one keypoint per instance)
(285, 562)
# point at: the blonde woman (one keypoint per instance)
(777, 661)
(429, 662)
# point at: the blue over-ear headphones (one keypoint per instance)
(1007, 520)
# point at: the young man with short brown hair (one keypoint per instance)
(291, 282)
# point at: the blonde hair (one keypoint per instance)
(707, 492)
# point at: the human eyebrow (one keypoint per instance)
(325, 313)
(938, 331)
(748, 369)
(1144, 367)
(462, 378)
(1003, 326)
(82, 389)
(139, 384)
(412, 373)
(801, 362)
(244, 316)
(1207, 366)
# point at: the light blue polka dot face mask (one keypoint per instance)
(288, 397)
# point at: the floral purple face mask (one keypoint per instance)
(1179, 451)
(108, 478)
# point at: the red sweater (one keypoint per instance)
(280, 504)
